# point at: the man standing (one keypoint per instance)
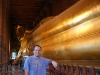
(36, 65)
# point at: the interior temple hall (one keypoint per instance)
(67, 31)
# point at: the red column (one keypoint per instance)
(4, 32)
(5, 22)
(0, 34)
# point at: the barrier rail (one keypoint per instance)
(11, 70)
(65, 69)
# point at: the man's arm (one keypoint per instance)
(54, 63)
(26, 72)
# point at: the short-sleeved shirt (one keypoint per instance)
(36, 66)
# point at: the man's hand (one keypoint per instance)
(54, 64)
(26, 72)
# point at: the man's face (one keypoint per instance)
(37, 51)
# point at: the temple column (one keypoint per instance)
(4, 32)
(0, 34)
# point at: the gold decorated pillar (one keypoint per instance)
(4, 32)
(0, 34)
(6, 40)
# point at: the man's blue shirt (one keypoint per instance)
(36, 65)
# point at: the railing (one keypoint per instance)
(64, 69)
(11, 70)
